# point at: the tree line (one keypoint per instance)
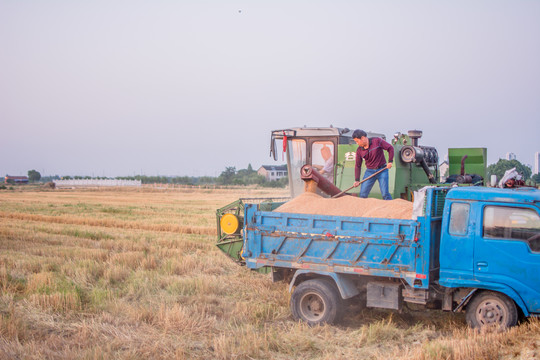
(503, 165)
(229, 176)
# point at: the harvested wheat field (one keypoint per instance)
(134, 274)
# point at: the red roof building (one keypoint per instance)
(16, 179)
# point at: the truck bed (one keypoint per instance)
(393, 248)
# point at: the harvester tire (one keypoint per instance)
(317, 301)
(491, 309)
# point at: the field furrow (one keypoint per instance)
(112, 223)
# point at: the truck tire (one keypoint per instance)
(491, 309)
(317, 301)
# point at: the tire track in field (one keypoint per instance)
(73, 220)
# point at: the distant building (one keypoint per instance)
(273, 172)
(536, 169)
(443, 171)
(16, 179)
(510, 156)
(96, 183)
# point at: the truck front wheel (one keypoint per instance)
(491, 309)
(316, 302)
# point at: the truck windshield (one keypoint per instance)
(296, 159)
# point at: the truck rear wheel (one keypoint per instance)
(316, 302)
(491, 309)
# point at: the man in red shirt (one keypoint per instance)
(371, 150)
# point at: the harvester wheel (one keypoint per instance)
(316, 302)
(491, 309)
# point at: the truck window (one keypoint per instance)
(459, 219)
(505, 222)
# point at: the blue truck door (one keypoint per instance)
(456, 254)
(507, 250)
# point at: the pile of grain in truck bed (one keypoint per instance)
(310, 203)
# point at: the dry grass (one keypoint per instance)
(134, 274)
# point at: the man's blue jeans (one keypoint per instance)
(383, 184)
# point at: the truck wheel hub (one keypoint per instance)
(315, 305)
(312, 307)
(491, 313)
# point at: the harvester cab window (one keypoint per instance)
(459, 219)
(322, 158)
(296, 159)
(506, 222)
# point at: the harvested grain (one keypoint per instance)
(310, 186)
(310, 203)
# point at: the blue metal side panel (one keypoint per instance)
(368, 246)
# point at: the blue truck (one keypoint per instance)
(472, 249)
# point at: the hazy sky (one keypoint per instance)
(109, 88)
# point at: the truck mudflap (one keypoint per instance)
(504, 289)
(346, 286)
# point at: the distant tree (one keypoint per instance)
(34, 175)
(250, 169)
(227, 176)
(503, 165)
(536, 178)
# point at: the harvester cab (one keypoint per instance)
(331, 151)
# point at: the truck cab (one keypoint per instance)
(490, 242)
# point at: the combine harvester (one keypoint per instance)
(466, 248)
(414, 165)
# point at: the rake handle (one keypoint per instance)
(369, 177)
